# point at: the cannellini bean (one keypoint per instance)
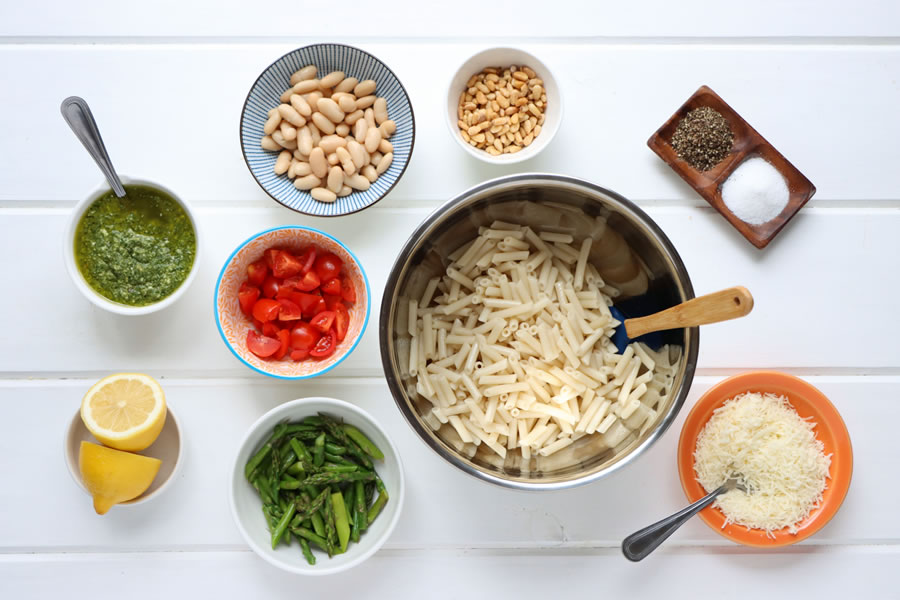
(335, 179)
(288, 131)
(330, 143)
(373, 139)
(332, 79)
(370, 117)
(353, 117)
(357, 182)
(358, 153)
(307, 72)
(346, 85)
(298, 168)
(369, 173)
(314, 133)
(286, 144)
(282, 162)
(304, 140)
(360, 130)
(365, 101)
(347, 104)
(305, 86)
(375, 158)
(342, 129)
(345, 191)
(385, 147)
(272, 122)
(290, 114)
(330, 109)
(268, 143)
(301, 105)
(387, 128)
(364, 88)
(323, 195)
(380, 108)
(384, 163)
(346, 161)
(324, 124)
(300, 156)
(332, 158)
(312, 99)
(317, 163)
(307, 182)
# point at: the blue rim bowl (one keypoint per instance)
(265, 94)
(232, 277)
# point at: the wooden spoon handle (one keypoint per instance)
(719, 306)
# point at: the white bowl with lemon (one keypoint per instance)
(140, 447)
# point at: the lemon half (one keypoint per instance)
(125, 411)
(112, 476)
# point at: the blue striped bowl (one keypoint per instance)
(265, 95)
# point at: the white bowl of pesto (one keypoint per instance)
(135, 255)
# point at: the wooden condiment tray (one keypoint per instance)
(747, 143)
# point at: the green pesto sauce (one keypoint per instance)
(135, 250)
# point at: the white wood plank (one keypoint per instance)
(43, 510)
(676, 575)
(407, 18)
(171, 113)
(807, 294)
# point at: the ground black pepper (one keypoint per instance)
(703, 138)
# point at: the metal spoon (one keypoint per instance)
(640, 544)
(78, 115)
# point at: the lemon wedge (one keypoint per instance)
(125, 411)
(112, 476)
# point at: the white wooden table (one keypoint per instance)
(167, 79)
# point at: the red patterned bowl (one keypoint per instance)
(234, 324)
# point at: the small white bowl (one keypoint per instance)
(168, 448)
(246, 506)
(504, 57)
(94, 296)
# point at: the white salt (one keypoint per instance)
(755, 192)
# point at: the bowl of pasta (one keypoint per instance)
(496, 333)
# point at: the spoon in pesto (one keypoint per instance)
(78, 115)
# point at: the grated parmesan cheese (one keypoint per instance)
(774, 452)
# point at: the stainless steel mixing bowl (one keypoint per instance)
(540, 201)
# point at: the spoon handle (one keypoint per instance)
(723, 305)
(78, 115)
(641, 543)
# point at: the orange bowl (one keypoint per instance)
(808, 402)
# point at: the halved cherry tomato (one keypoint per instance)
(341, 322)
(257, 323)
(286, 265)
(331, 302)
(307, 258)
(261, 345)
(325, 346)
(307, 302)
(270, 287)
(318, 307)
(284, 336)
(323, 321)
(269, 257)
(332, 287)
(303, 283)
(266, 309)
(270, 329)
(304, 336)
(299, 354)
(247, 296)
(257, 271)
(328, 266)
(290, 310)
(348, 292)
